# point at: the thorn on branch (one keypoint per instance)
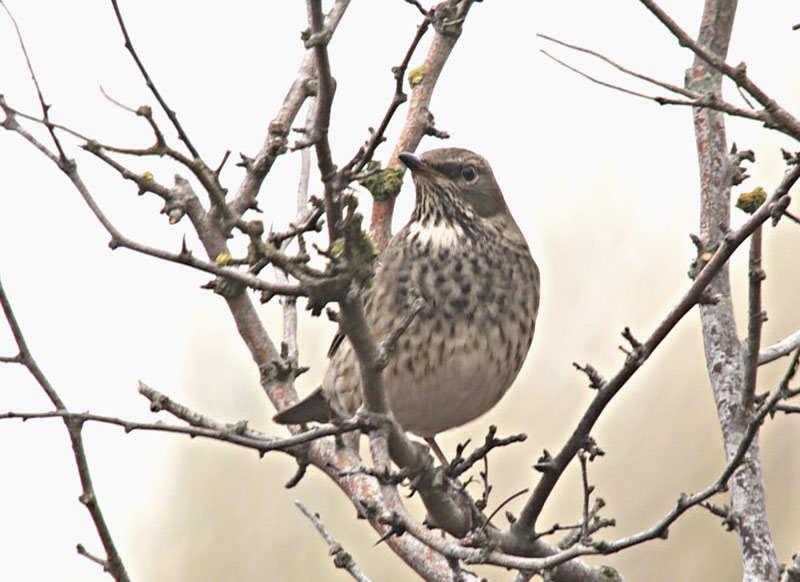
(637, 355)
(302, 467)
(724, 512)
(596, 381)
(628, 335)
(396, 528)
(86, 554)
(545, 463)
(245, 162)
(222, 163)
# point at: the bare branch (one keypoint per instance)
(729, 244)
(201, 426)
(341, 559)
(86, 554)
(459, 465)
(693, 99)
(289, 303)
(365, 154)
(275, 142)
(419, 6)
(596, 80)
(45, 107)
(207, 177)
(723, 350)
(778, 117)
(113, 561)
(173, 117)
(779, 349)
(657, 530)
(755, 320)
(668, 86)
(145, 183)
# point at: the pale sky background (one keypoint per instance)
(604, 186)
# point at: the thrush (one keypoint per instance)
(463, 255)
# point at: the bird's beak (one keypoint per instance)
(416, 165)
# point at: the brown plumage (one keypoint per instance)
(465, 257)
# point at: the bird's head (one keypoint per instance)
(456, 190)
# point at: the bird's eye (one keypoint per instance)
(469, 173)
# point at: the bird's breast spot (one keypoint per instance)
(440, 235)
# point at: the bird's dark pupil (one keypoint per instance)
(469, 173)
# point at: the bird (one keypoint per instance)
(464, 263)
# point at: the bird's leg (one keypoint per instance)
(437, 451)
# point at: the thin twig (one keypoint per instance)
(755, 320)
(656, 531)
(45, 108)
(587, 492)
(289, 304)
(779, 349)
(595, 79)
(86, 554)
(207, 177)
(117, 102)
(341, 558)
(319, 131)
(366, 152)
(778, 117)
(119, 240)
(150, 85)
(693, 99)
(459, 465)
(202, 426)
(113, 561)
(419, 6)
(275, 143)
(668, 86)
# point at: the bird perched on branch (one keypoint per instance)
(466, 259)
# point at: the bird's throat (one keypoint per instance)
(443, 234)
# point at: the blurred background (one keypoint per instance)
(604, 186)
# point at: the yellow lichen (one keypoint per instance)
(223, 259)
(415, 76)
(382, 184)
(750, 201)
